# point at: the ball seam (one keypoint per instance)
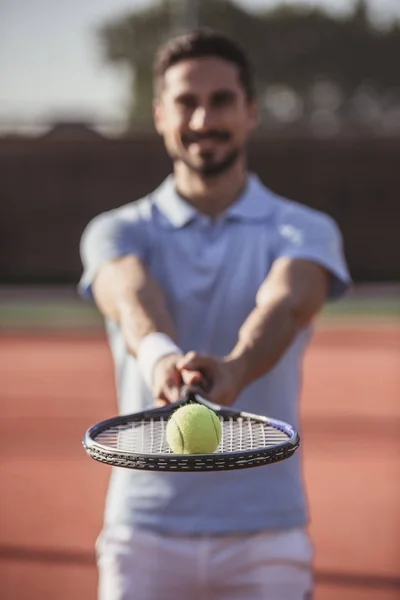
(215, 429)
(180, 434)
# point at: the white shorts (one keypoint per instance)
(139, 565)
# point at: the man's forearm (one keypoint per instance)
(288, 300)
(126, 293)
(263, 339)
(141, 313)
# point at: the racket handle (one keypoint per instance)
(199, 388)
(200, 383)
(190, 393)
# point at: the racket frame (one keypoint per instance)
(227, 460)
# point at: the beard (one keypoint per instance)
(209, 168)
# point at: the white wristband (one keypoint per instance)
(151, 349)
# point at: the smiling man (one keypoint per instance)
(211, 278)
(205, 109)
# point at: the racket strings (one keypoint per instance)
(148, 436)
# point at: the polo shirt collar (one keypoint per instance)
(254, 204)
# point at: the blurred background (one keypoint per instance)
(76, 138)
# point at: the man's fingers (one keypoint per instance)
(192, 377)
(168, 395)
(197, 363)
(198, 369)
(170, 391)
(160, 402)
(192, 361)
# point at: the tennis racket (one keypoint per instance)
(138, 441)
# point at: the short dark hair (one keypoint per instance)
(200, 43)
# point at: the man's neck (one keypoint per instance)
(210, 196)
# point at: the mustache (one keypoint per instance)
(211, 134)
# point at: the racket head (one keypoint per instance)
(138, 440)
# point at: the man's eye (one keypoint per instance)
(186, 102)
(223, 100)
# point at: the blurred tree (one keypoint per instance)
(291, 46)
(304, 44)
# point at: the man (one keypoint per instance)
(212, 278)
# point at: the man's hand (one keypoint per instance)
(224, 377)
(168, 379)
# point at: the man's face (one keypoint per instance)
(203, 115)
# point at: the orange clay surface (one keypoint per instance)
(52, 387)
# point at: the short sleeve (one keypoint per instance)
(109, 236)
(307, 234)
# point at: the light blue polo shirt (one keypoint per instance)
(210, 272)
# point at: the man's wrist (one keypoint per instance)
(152, 348)
(240, 369)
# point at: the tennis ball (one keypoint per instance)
(193, 429)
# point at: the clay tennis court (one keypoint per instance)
(54, 386)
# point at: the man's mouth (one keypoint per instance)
(212, 135)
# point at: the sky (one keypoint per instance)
(51, 67)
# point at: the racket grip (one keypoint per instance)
(199, 388)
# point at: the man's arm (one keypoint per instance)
(287, 301)
(292, 294)
(126, 292)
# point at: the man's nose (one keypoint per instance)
(201, 119)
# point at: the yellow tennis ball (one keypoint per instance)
(193, 429)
